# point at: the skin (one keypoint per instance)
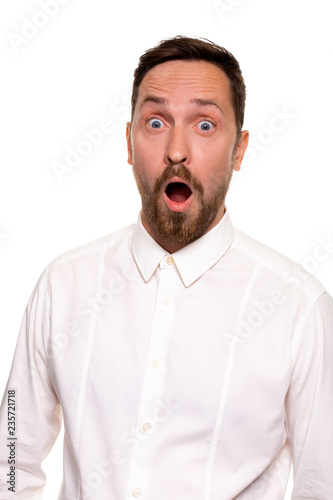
(174, 125)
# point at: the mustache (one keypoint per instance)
(179, 170)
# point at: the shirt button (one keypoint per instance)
(166, 301)
(156, 362)
(146, 427)
(170, 261)
(136, 492)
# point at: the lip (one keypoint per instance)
(173, 205)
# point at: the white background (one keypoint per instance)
(77, 70)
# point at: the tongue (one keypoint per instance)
(178, 192)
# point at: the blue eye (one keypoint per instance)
(205, 126)
(155, 123)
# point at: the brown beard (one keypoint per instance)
(179, 226)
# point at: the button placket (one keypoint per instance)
(153, 386)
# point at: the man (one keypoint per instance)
(188, 361)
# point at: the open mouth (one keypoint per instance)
(178, 196)
(178, 192)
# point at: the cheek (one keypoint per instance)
(145, 163)
(214, 168)
(144, 149)
(213, 152)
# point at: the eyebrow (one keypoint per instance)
(197, 102)
(207, 102)
(154, 99)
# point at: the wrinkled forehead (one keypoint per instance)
(180, 81)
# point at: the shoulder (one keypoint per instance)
(274, 265)
(91, 251)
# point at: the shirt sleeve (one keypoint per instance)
(309, 404)
(37, 412)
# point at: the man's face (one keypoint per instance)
(183, 147)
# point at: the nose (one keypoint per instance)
(177, 149)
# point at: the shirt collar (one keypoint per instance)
(193, 260)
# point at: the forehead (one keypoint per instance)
(179, 81)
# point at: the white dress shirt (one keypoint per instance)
(200, 375)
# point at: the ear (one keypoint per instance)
(241, 148)
(129, 143)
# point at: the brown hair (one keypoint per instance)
(194, 49)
